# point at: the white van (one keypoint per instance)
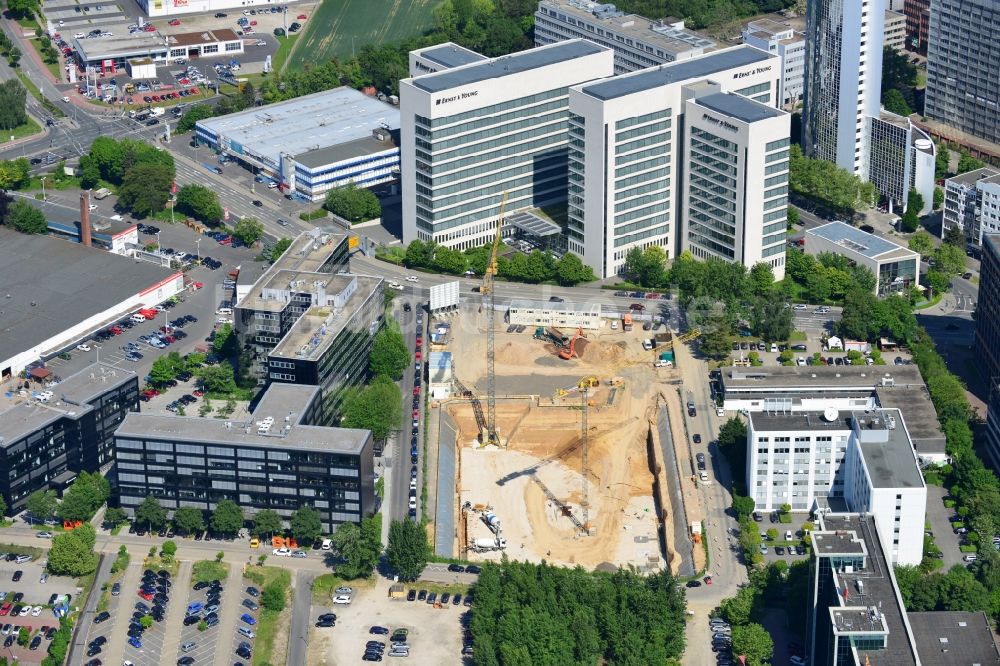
(327, 544)
(137, 318)
(224, 311)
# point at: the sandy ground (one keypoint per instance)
(527, 484)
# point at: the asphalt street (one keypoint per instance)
(298, 633)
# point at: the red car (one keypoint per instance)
(253, 22)
(416, 413)
(197, 285)
(197, 394)
(148, 596)
(416, 355)
(416, 390)
(173, 22)
(194, 91)
(708, 580)
(149, 28)
(420, 341)
(301, 17)
(170, 339)
(5, 609)
(115, 330)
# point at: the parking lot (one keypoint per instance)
(146, 648)
(434, 634)
(203, 605)
(28, 602)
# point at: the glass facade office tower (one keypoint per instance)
(963, 59)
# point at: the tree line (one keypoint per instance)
(142, 174)
(377, 407)
(533, 268)
(543, 614)
(828, 186)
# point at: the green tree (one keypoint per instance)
(937, 281)
(408, 549)
(858, 321)
(897, 70)
(115, 516)
(359, 546)
(146, 621)
(420, 254)
(218, 378)
(894, 103)
(162, 371)
(949, 259)
(921, 242)
(227, 518)
(88, 493)
(829, 185)
(754, 642)
(145, 188)
(272, 597)
(377, 407)
(168, 550)
(390, 356)
(771, 317)
(941, 157)
(222, 339)
(41, 504)
(646, 268)
(12, 104)
(737, 610)
(22, 216)
(189, 520)
(570, 271)
(966, 163)
(279, 249)
(249, 230)
(266, 522)
(447, 260)
(761, 279)
(354, 204)
(200, 202)
(715, 337)
(72, 553)
(23, 636)
(192, 116)
(14, 175)
(151, 513)
(938, 198)
(793, 216)
(955, 236)
(743, 507)
(306, 525)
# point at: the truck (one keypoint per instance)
(626, 322)
(492, 521)
(157, 111)
(101, 193)
(485, 544)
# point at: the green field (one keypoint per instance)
(340, 27)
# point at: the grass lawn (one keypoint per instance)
(269, 620)
(27, 128)
(340, 27)
(206, 571)
(21, 550)
(37, 94)
(797, 336)
(323, 586)
(451, 588)
(51, 66)
(155, 563)
(285, 47)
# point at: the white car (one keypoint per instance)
(44, 535)
(345, 590)
(79, 35)
(412, 278)
(342, 599)
(799, 306)
(395, 285)
(25, 611)
(83, 347)
(413, 502)
(92, 207)
(36, 611)
(282, 552)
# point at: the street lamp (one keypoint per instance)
(43, 187)
(197, 247)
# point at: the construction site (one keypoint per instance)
(573, 471)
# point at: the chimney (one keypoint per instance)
(85, 218)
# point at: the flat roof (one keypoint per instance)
(798, 421)
(878, 590)
(301, 125)
(449, 55)
(918, 412)
(954, 638)
(307, 253)
(48, 285)
(675, 72)
(281, 400)
(986, 174)
(71, 397)
(739, 107)
(319, 326)
(120, 44)
(243, 433)
(554, 306)
(327, 155)
(201, 38)
(508, 65)
(890, 462)
(818, 378)
(859, 242)
(534, 223)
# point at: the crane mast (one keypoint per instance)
(489, 304)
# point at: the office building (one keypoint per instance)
(856, 616)
(842, 81)
(895, 267)
(630, 147)
(559, 314)
(862, 459)
(734, 206)
(847, 388)
(307, 325)
(440, 57)
(841, 119)
(972, 204)
(48, 436)
(476, 131)
(312, 144)
(638, 42)
(895, 31)
(963, 58)
(918, 20)
(278, 457)
(781, 38)
(53, 304)
(987, 340)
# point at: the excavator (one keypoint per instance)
(585, 383)
(569, 351)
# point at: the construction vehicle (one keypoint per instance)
(566, 353)
(492, 521)
(627, 321)
(586, 382)
(490, 436)
(539, 333)
(485, 545)
(615, 381)
(556, 336)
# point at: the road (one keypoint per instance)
(79, 645)
(298, 635)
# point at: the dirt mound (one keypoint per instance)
(598, 352)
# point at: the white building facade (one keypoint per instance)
(863, 461)
(790, 46)
(627, 150)
(472, 132)
(972, 204)
(735, 200)
(547, 313)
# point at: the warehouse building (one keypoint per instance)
(158, 8)
(111, 55)
(278, 458)
(54, 293)
(895, 267)
(526, 312)
(48, 436)
(312, 144)
(863, 460)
